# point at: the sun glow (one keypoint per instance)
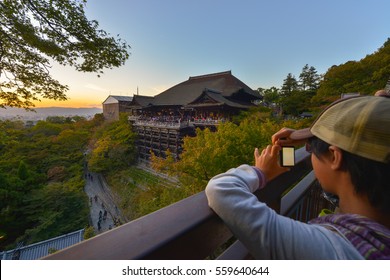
(71, 103)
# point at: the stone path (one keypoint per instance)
(104, 214)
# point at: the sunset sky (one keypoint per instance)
(260, 41)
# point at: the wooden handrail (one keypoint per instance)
(187, 229)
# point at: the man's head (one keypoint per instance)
(359, 125)
(360, 128)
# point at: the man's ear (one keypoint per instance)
(336, 157)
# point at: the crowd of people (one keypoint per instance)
(179, 120)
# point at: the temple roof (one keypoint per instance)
(213, 98)
(141, 101)
(187, 91)
(117, 98)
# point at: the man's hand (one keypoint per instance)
(282, 138)
(268, 162)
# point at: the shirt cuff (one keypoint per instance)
(261, 176)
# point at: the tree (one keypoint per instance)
(290, 84)
(309, 80)
(297, 95)
(114, 146)
(296, 103)
(210, 153)
(23, 173)
(41, 180)
(35, 32)
(54, 210)
(271, 95)
(365, 76)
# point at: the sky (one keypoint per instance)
(260, 41)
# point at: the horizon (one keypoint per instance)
(51, 107)
(39, 113)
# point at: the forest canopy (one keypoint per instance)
(41, 179)
(365, 76)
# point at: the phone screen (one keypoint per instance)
(287, 156)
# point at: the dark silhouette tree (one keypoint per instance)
(290, 84)
(309, 80)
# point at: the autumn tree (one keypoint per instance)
(33, 33)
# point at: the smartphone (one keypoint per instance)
(287, 156)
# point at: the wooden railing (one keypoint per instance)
(189, 229)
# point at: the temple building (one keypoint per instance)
(162, 121)
(114, 104)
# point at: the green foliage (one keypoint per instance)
(296, 103)
(46, 129)
(140, 192)
(290, 84)
(270, 96)
(56, 209)
(23, 173)
(365, 76)
(312, 90)
(163, 165)
(35, 31)
(296, 95)
(309, 80)
(89, 232)
(52, 250)
(211, 153)
(113, 147)
(41, 180)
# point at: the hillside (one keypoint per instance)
(365, 76)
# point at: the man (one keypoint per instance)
(350, 145)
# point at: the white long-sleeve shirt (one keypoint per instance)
(266, 234)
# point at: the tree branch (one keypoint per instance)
(33, 9)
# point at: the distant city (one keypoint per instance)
(38, 114)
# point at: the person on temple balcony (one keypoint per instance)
(350, 153)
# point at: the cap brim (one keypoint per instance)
(301, 134)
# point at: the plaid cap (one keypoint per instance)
(359, 125)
